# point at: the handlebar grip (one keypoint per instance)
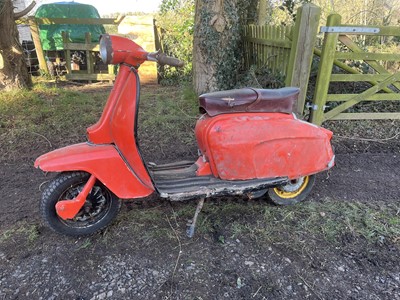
(168, 60)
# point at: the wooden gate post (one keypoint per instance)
(302, 50)
(325, 71)
(38, 45)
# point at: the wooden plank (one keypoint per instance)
(85, 21)
(268, 48)
(264, 46)
(358, 77)
(272, 57)
(367, 116)
(259, 58)
(38, 45)
(275, 50)
(349, 69)
(306, 29)
(375, 97)
(359, 97)
(83, 76)
(89, 60)
(65, 36)
(82, 47)
(383, 30)
(325, 70)
(368, 56)
(286, 56)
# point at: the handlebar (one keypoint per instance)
(164, 59)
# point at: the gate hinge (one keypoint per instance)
(349, 30)
(314, 107)
(311, 106)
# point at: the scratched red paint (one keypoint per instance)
(263, 145)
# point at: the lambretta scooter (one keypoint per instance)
(250, 143)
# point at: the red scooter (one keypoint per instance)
(249, 143)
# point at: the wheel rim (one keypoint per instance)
(96, 206)
(292, 189)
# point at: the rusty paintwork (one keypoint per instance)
(245, 146)
(103, 161)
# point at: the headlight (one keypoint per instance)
(117, 50)
(106, 51)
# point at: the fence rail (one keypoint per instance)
(385, 85)
(267, 46)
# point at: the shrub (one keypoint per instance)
(175, 24)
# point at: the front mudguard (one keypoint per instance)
(103, 161)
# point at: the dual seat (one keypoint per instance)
(280, 100)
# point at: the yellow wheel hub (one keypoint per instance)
(293, 188)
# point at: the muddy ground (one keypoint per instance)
(146, 255)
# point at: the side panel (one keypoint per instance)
(103, 161)
(248, 146)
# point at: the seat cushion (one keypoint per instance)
(249, 100)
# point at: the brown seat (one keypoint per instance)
(249, 100)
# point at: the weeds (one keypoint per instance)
(292, 226)
(21, 232)
(29, 119)
(167, 118)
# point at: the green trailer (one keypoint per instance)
(52, 36)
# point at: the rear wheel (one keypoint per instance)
(293, 192)
(100, 208)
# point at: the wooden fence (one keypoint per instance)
(289, 51)
(285, 49)
(384, 85)
(267, 46)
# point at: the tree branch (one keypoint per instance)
(24, 11)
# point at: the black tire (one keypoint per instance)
(293, 192)
(100, 208)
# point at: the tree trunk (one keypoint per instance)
(13, 69)
(217, 42)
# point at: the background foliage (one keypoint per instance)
(175, 24)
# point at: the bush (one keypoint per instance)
(175, 24)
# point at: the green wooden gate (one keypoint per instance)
(384, 85)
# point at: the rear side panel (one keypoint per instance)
(103, 161)
(263, 145)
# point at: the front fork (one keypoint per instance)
(68, 209)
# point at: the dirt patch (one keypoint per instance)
(339, 244)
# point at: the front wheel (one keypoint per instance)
(100, 208)
(293, 192)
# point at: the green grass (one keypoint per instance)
(295, 227)
(167, 118)
(54, 117)
(330, 220)
(46, 115)
(20, 232)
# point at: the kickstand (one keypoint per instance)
(192, 223)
